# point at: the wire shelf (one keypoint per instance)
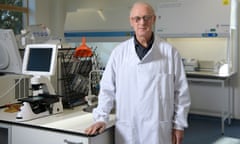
(77, 75)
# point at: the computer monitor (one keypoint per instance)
(10, 59)
(40, 59)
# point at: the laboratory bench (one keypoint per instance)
(63, 128)
(211, 80)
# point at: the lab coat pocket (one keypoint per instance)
(124, 133)
(161, 134)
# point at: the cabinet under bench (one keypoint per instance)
(27, 135)
(64, 128)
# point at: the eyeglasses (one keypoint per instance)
(145, 18)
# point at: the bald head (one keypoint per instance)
(144, 5)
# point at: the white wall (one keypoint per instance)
(57, 17)
(51, 13)
(39, 12)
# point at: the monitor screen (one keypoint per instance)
(34, 62)
(40, 59)
(10, 59)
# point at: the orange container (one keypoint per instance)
(83, 50)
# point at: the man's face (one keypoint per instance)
(142, 20)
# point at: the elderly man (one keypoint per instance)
(146, 79)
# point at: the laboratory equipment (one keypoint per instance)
(10, 59)
(33, 34)
(93, 89)
(190, 64)
(40, 62)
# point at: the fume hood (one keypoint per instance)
(109, 24)
(204, 24)
(194, 18)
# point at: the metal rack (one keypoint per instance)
(77, 76)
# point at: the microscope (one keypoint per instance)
(43, 102)
(39, 62)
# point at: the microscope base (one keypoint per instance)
(26, 112)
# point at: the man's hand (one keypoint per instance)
(177, 136)
(98, 127)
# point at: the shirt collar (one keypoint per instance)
(137, 44)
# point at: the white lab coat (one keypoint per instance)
(151, 94)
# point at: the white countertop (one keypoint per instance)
(210, 74)
(71, 120)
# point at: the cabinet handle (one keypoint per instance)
(70, 142)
